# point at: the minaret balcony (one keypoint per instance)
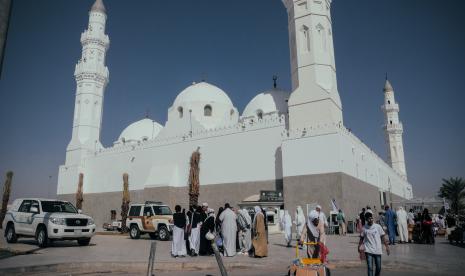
(390, 107)
(96, 39)
(396, 127)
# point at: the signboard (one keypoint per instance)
(271, 196)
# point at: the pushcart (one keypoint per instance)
(314, 266)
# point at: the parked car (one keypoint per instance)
(153, 218)
(47, 220)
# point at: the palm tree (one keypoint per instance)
(194, 185)
(125, 203)
(79, 192)
(6, 196)
(453, 189)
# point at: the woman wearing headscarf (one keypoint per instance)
(299, 221)
(207, 226)
(287, 227)
(178, 247)
(259, 234)
(245, 223)
(312, 233)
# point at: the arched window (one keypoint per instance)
(207, 110)
(180, 110)
(305, 38)
(231, 112)
(389, 102)
(390, 122)
(260, 114)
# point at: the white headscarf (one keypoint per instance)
(211, 212)
(258, 210)
(299, 216)
(246, 216)
(314, 229)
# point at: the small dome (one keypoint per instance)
(388, 87)
(142, 130)
(202, 92)
(98, 6)
(274, 100)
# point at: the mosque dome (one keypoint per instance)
(202, 103)
(202, 92)
(272, 101)
(142, 130)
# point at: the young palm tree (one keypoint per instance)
(194, 185)
(453, 189)
(125, 203)
(6, 196)
(79, 192)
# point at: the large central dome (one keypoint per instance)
(202, 92)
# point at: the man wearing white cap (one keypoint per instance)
(323, 223)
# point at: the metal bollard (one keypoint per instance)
(219, 260)
(153, 247)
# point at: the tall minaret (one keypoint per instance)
(315, 99)
(91, 76)
(393, 130)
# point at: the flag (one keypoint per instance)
(334, 205)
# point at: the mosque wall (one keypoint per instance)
(333, 149)
(351, 194)
(99, 205)
(242, 153)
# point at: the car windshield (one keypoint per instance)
(58, 206)
(162, 210)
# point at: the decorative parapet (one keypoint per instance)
(240, 127)
(84, 71)
(88, 38)
(394, 128)
(390, 107)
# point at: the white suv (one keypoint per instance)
(47, 220)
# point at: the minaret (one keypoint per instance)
(393, 130)
(91, 76)
(315, 99)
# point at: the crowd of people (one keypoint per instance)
(232, 231)
(402, 226)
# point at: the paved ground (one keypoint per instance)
(119, 255)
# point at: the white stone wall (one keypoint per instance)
(240, 153)
(335, 149)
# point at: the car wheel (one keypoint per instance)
(42, 237)
(11, 234)
(83, 242)
(134, 232)
(152, 235)
(163, 233)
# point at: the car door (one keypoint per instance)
(20, 217)
(147, 219)
(29, 218)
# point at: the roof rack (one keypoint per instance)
(153, 202)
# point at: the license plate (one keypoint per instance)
(78, 231)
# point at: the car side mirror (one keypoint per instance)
(34, 210)
(79, 211)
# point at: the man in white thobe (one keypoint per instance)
(323, 223)
(287, 227)
(228, 229)
(402, 224)
(299, 221)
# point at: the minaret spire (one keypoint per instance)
(91, 76)
(393, 131)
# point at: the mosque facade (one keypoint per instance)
(293, 142)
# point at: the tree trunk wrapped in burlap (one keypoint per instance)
(79, 192)
(125, 204)
(194, 181)
(6, 196)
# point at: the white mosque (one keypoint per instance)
(294, 142)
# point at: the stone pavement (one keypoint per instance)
(118, 254)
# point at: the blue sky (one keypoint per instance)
(159, 47)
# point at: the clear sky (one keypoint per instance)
(160, 47)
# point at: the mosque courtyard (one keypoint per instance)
(119, 255)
